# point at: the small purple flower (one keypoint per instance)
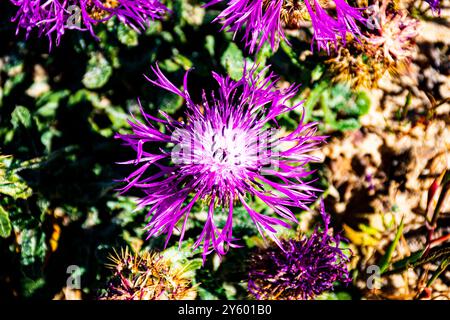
(264, 21)
(435, 5)
(225, 153)
(302, 269)
(53, 17)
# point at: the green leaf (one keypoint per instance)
(17, 190)
(263, 54)
(193, 14)
(242, 222)
(49, 102)
(81, 96)
(386, 259)
(33, 246)
(408, 261)
(340, 107)
(419, 258)
(98, 72)
(442, 267)
(21, 115)
(169, 65)
(369, 230)
(206, 295)
(317, 72)
(233, 61)
(188, 269)
(313, 98)
(346, 124)
(10, 183)
(176, 254)
(182, 258)
(343, 295)
(12, 82)
(5, 223)
(363, 103)
(167, 36)
(288, 50)
(127, 36)
(170, 103)
(209, 44)
(30, 286)
(154, 28)
(48, 136)
(230, 291)
(182, 61)
(334, 296)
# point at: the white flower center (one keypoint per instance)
(223, 149)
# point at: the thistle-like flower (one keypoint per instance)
(52, 18)
(307, 267)
(265, 20)
(389, 46)
(226, 153)
(147, 276)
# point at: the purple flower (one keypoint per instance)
(53, 17)
(225, 153)
(435, 5)
(302, 269)
(264, 21)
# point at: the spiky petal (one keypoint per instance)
(264, 20)
(388, 47)
(52, 18)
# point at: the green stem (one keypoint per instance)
(444, 264)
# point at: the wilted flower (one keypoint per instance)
(53, 17)
(265, 20)
(307, 267)
(225, 154)
(147, 276)
(388, 47)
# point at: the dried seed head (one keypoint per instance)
(147, 276)
(388, 48)
(98, 13)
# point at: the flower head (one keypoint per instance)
(265, 20)
(388, 47)
(226, 153)
(52, 18)
(396, 34)
(307, 267)
(147, 276)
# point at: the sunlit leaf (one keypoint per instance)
(21, 116)
(233, 61)
(5, 224)
(386, 259)
(33, 246)
(127, 36)
(97, 73)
